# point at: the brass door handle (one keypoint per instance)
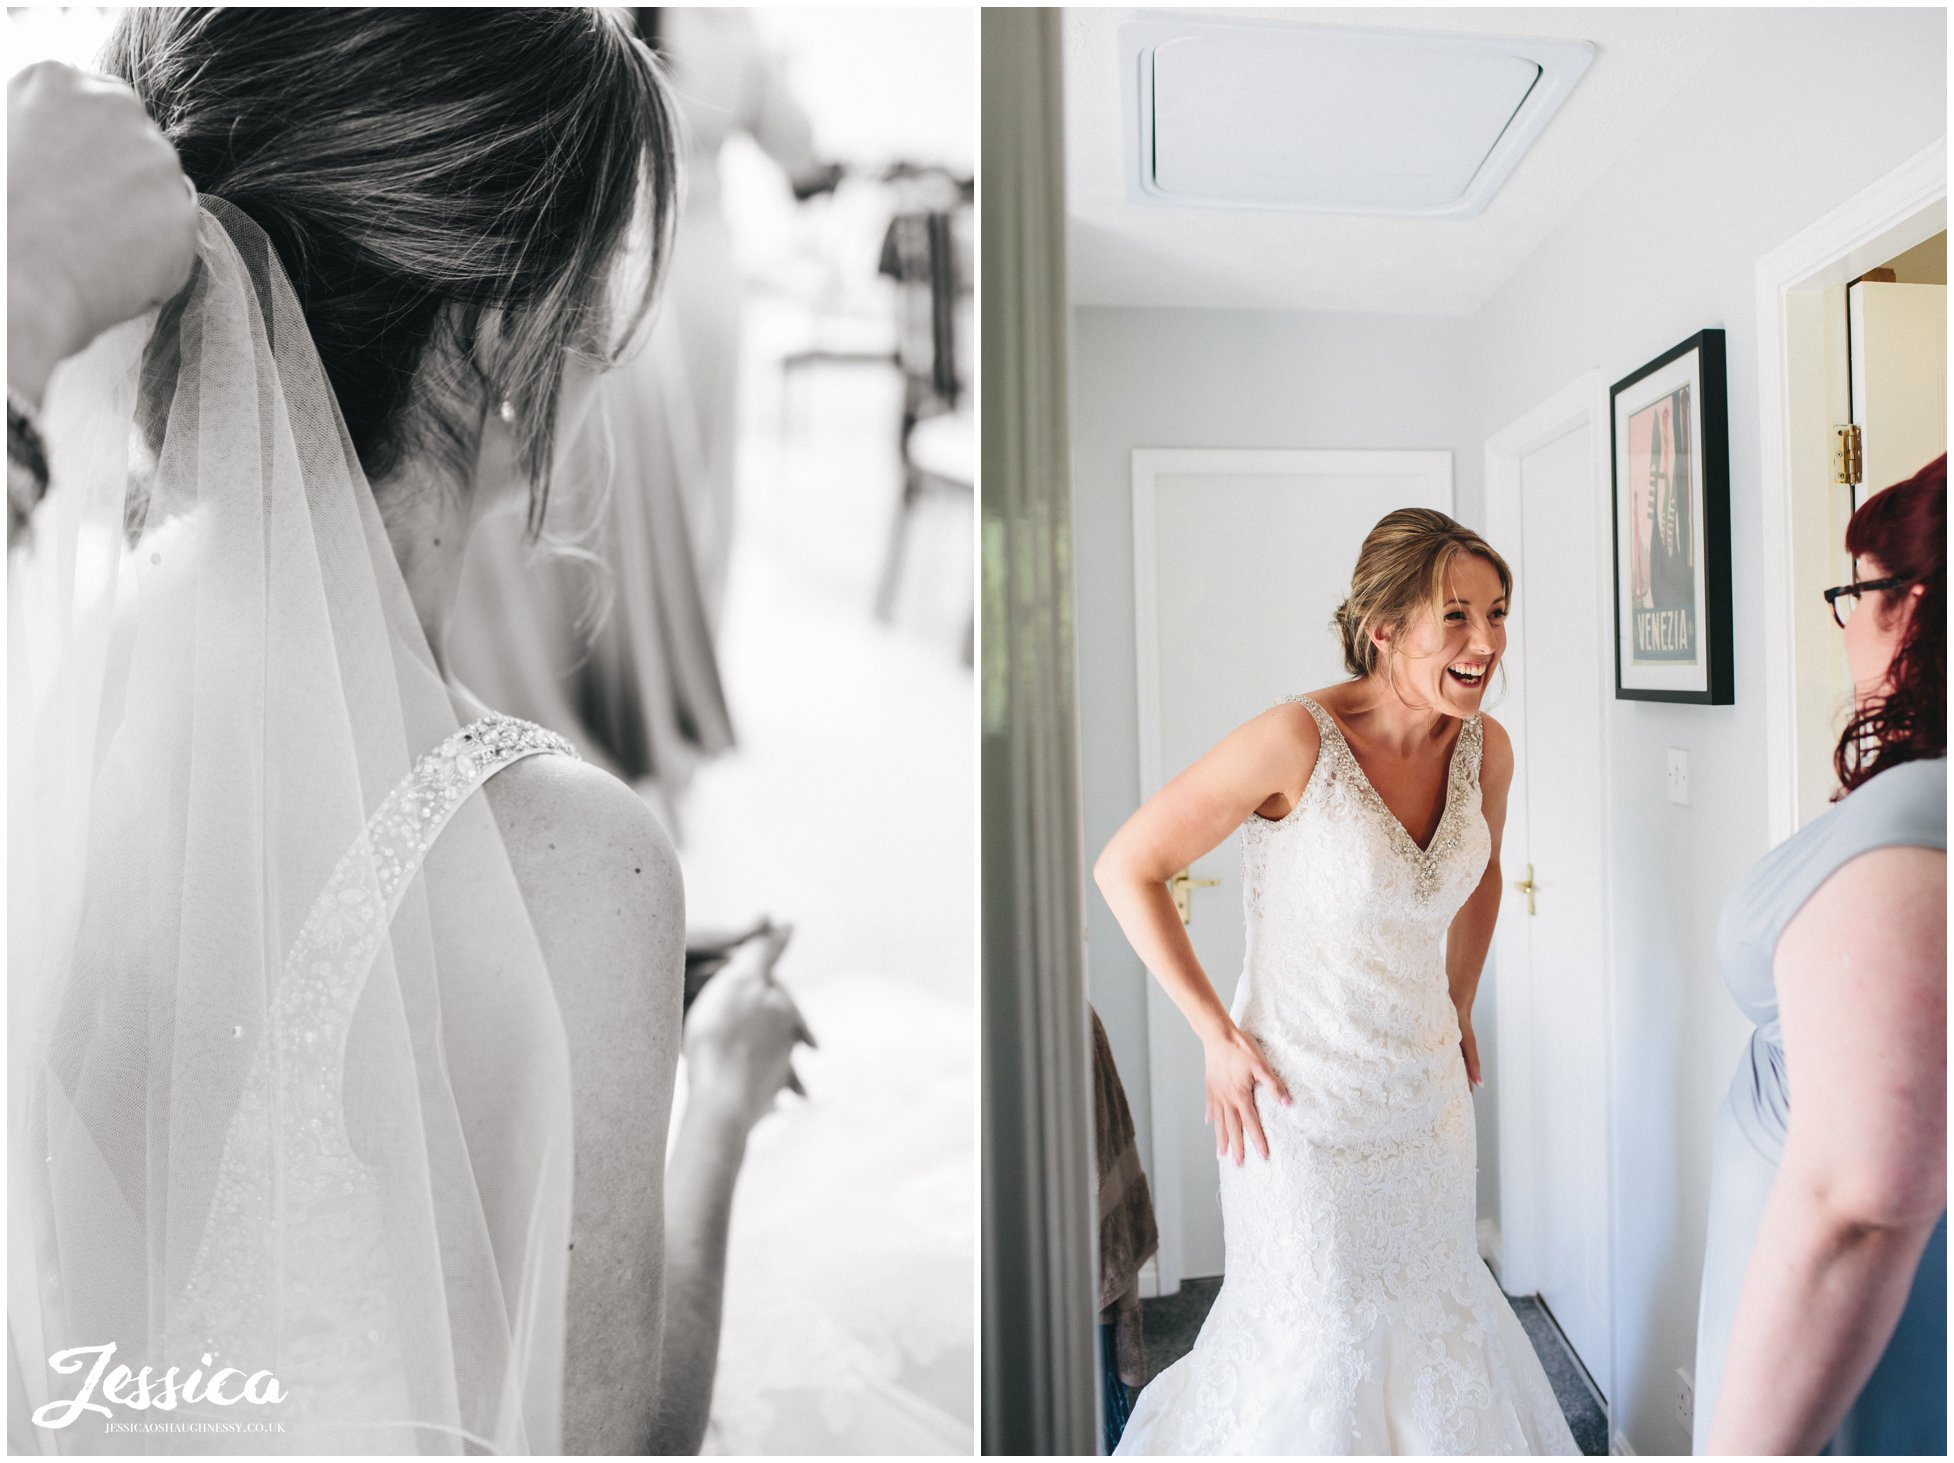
(1178, 887)
(1526, 886)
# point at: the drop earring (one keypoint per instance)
(507, 412)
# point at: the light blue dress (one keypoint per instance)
(1903, 1409)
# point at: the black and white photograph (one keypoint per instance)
(492, 800)
(1401, 1036)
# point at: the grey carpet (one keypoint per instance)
(1173, 1321)
(1572, 1390)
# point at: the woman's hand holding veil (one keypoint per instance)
(101, 222)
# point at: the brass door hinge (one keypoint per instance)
(1849, 461)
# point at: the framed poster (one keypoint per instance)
(1670, 433)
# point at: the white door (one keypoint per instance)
(1899, 378)
(1241, 558)
(1546, 488)
(1883, 349)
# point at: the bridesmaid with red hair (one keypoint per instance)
(1823, 1322)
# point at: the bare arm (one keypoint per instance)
(1263, 765)
(603, 889)
(1862, 989)
(1471, 935)
(648, 1234)
(739, 1036)
(705, 1162)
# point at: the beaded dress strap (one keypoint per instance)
(1317, 713)
(292, 1105)
(1470, 736)
(1329, 733)
(1473, 734)
(442, 779)
(403, 828)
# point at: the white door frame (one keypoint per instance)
(1900, 210)
(1149, 465)
(1583, 402)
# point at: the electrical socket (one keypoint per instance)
(1685, 1401)
(1678, 775)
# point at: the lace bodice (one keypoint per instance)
(1347, 915)
(298, 1219)
(1356, 1316)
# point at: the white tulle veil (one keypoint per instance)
(271, 1107)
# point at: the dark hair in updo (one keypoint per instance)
(449, 191)
(1905, 529)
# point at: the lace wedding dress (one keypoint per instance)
(1357, 1316)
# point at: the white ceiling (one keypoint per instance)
(1125, 253)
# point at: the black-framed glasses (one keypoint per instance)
(1845, 599)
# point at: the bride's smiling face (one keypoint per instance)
(1444, 662)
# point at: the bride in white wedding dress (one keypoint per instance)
(1356, 1316)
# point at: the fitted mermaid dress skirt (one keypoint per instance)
(1356, 1316)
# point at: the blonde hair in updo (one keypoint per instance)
(1404, 566)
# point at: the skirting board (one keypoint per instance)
(1618, 1445)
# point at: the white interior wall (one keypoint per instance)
(1807, 109)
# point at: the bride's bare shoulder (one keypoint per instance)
(1282, 745)
(597, 871)
(1290, 719)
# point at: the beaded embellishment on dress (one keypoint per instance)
(1356, 1315)
(269, 1246)
(1460, 781)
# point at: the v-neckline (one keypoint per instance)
(1451, 768)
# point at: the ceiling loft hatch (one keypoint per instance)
(1324, 119)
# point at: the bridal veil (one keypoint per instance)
(262, 1113)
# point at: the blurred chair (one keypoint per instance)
(927, 251)
(841, 327)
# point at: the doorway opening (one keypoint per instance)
(1805, 394)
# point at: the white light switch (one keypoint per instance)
(1678, 775)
